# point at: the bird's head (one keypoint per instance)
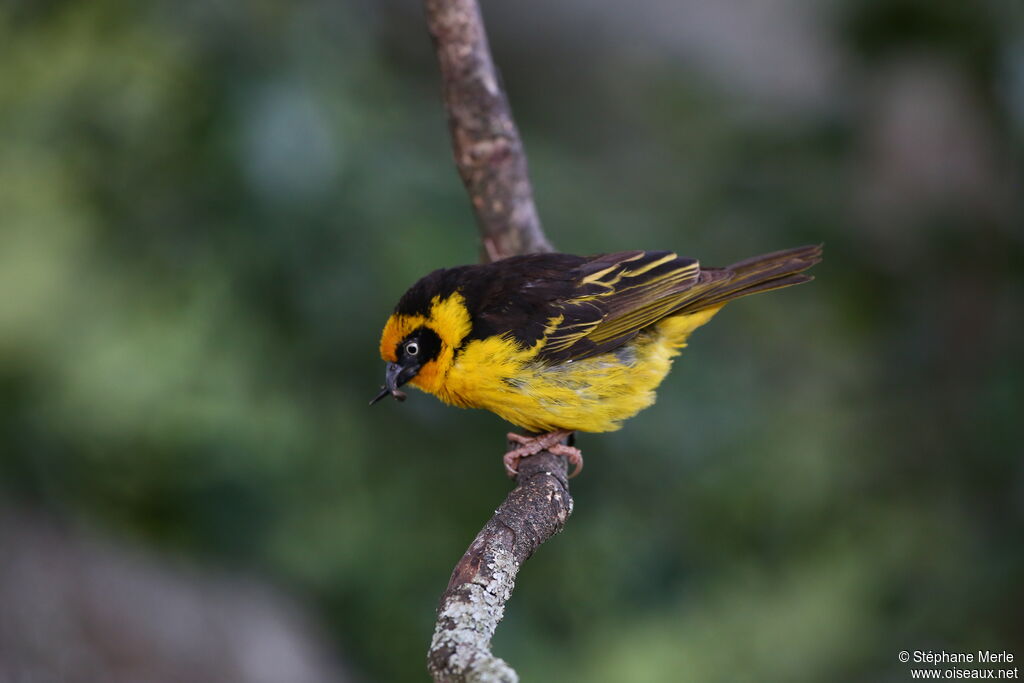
(420, 339)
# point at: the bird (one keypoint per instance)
(557, 344)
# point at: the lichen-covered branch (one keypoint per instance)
(491, 161)
(488, 151)
(482, 582)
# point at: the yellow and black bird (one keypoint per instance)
(555, 343)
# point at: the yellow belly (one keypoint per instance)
(591, 395)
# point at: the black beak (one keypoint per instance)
(394, 377)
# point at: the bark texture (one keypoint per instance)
(485, 141)
(484, 578)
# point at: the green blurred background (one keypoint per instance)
(208, 209)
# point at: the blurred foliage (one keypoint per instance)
(207, 211)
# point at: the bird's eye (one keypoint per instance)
(412, 348)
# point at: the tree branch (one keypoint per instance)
(482, 582)
(491, 161)
(485, 140)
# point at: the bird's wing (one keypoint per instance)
(614, 296)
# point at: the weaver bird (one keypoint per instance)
(557, 344)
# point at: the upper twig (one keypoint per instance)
(485, 141)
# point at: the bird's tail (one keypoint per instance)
(758, 274)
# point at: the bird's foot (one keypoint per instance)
(531, 445)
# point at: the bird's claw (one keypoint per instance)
(531, 445)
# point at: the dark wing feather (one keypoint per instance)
(578, 307)
(614, 297)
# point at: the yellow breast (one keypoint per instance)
(591, 395)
